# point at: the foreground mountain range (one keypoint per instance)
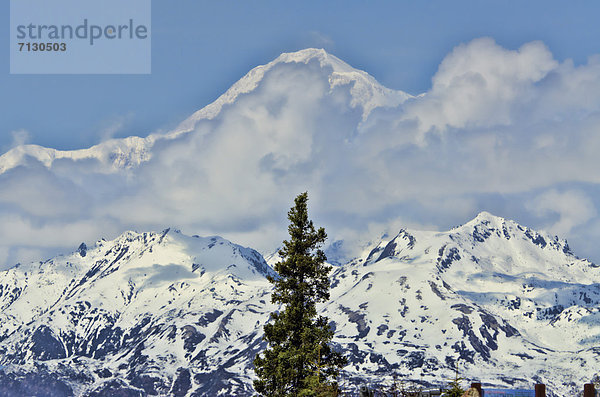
(168, 314)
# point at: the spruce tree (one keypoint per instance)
(299, 360)
(454, 389)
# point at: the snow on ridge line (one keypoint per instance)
(475, 231)
(131, 151)
(166, 247)
(366, 91)
(117, 153)
(172, 234)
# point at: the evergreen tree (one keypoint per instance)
(299, 360)
(454, 389)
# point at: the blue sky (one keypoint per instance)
(200, 48)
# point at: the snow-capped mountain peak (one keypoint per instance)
(169, 314)
(118, 154)
(486, 217)
(366, 91)
(163, 287)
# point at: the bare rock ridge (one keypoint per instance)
(168, 314)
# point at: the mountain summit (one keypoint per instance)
(367, 93)
(115, 154)
(168, 314)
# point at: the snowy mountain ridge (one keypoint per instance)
(167, 314)
(366, 91)
(119, 154)
(138, 292)
(114, 154)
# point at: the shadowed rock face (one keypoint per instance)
(40, 382)
(45, 345)
(165, 314)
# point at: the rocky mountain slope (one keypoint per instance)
(167, 314)
(149, 313)
(512, 305)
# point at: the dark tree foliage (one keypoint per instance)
(299, 360)
(454, 389)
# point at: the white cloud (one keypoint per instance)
(114, 125)
(320, 40)
(20, 137)
(508, 124)
(573, 208)
(480, 84)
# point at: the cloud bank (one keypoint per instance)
(513, 132)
